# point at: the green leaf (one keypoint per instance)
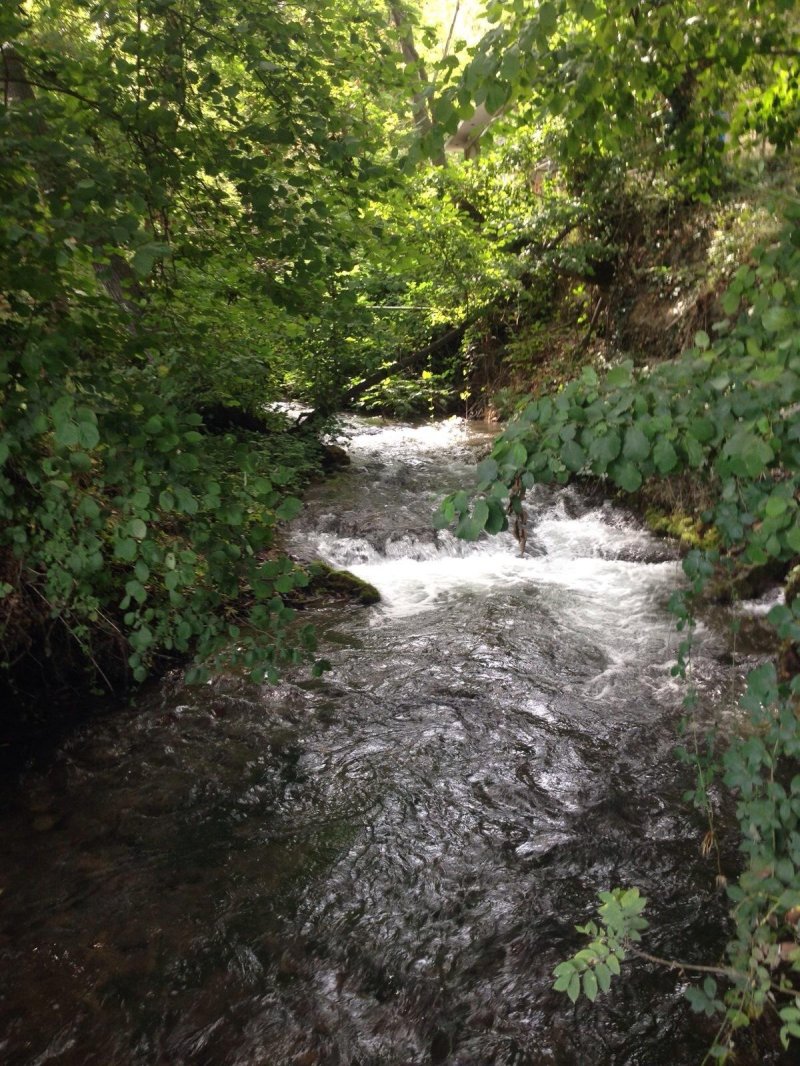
(573, 456)
(468, 528)
(289, 508)
(137, 528)
(185, 503)
(136, 590)
(695, 456)
(590, 985)
(89, 508)
(125, 549)
(146, 255)
(603, 976)
(775, 319)
(702, 429)
(548, 18)
(574, 988)
(88, 435)
(460, 502)
(80, 461)
(637, 445)
(441, 519)
(67, 433)
(487, 470)
(620, 375)
(153, 426)
(497, 521)
(605, 449)
(497, 94)
(664, 456)
(776, 505)
(747, 454)
(518, 455)
(626, 475)
(260, 487)
(480, 513)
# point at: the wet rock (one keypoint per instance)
(289, 965)
(647, 552)
(328, 584)
(334, 457)
(483, 1018)
(306, 1058)
(419, 535)
(441, 1046)
(743, 582)
(45, 822)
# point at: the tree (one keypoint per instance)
(657, 85)
(164, 163)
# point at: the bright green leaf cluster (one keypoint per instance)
(620, 923)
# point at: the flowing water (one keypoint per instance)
(381, 867)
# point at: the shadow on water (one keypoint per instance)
(381, 867)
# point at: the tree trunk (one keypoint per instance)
(419, 104)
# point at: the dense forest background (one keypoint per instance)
(210, 208)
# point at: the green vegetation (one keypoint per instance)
(696, 88)
(179, 181)
(211, 206)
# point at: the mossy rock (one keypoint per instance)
(327, 585)
(689, 531)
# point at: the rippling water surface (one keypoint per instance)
(382, 867)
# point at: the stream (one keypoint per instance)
(382, 866)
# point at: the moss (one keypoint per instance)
(327, 584)
(792, 587)
(690, 531)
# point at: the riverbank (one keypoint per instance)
(57, 677)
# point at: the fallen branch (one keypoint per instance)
(405, 362)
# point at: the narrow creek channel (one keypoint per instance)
(381, 867)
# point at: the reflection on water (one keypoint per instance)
(382, 866)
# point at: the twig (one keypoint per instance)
(676, 964)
